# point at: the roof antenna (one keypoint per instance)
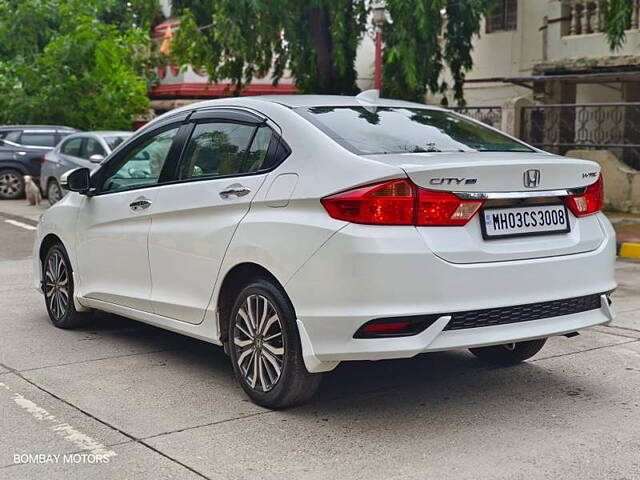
(369, 96)
(368, 99)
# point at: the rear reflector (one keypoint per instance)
(400, 202)
(589, 202)
(42, 160)
(396, 326)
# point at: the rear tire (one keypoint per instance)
(54, 192)
(264, 346)
(510, 353)
(11, 184)
(58, 289)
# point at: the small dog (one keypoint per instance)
(32, 191)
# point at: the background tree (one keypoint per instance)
(423, 38)
(79, 63)
(237, 39)
(616, 15)
(317, 41)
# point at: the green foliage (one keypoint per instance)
(317, 41)
(423, 38)
(86, 66)
(616, 15)
(237, 39)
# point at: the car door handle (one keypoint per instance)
(237, 191)
(140, 203)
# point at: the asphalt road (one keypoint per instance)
(125, 400)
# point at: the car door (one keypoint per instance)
(113, 224)
(69, 155)
(220, 171)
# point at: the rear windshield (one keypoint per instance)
(379, 130)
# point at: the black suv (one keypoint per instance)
(22, 150)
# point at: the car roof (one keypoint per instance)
(294, 101)
(102, 133)
(289, 101)
(49, 127)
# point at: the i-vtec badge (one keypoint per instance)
(452, 181)
(531, 178)
(590, 175)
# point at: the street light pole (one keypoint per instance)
(379, 19)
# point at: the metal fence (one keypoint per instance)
(491, 115)
(599, 126)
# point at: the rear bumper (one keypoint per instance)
(363, 273)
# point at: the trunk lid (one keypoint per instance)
(492, 171)
(502, 172)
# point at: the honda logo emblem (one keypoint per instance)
(531, 178)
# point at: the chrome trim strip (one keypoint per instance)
(507, 195)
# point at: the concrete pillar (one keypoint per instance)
(512, 115)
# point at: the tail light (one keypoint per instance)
(588, 202)
(42, 160)
(400, 202)
(389, 203)
(444, 208)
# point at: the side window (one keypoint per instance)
(13, 136)
(72, 147)
(258, 150)
(141, 166)
(216, 149)
(38, 139)
(9, 134)
(93, 147)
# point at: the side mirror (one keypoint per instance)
(96, 158)
(76, 180)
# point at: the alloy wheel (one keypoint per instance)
(10, 184)
(258, 343)
(56, 285)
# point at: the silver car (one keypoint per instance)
(86, 149)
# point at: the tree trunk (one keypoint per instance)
(319, 24)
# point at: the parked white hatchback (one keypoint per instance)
(302, 231)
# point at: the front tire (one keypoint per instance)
(510, 353)
(11, 184)
(265, 350)
(54, 192)
(58, 289)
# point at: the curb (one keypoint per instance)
(628, 250)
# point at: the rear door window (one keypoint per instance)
(38, 139)
(72, 147)
(217, 149)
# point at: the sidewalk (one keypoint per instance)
(627, 228)
(19, 208)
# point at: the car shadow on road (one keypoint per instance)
(440, 381)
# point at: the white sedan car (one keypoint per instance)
(302, 231)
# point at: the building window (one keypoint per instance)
(503, 17)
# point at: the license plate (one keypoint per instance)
(519, 221)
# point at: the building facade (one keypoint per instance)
(544, 71)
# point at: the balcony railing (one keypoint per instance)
(585, 16)
(598, 126)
